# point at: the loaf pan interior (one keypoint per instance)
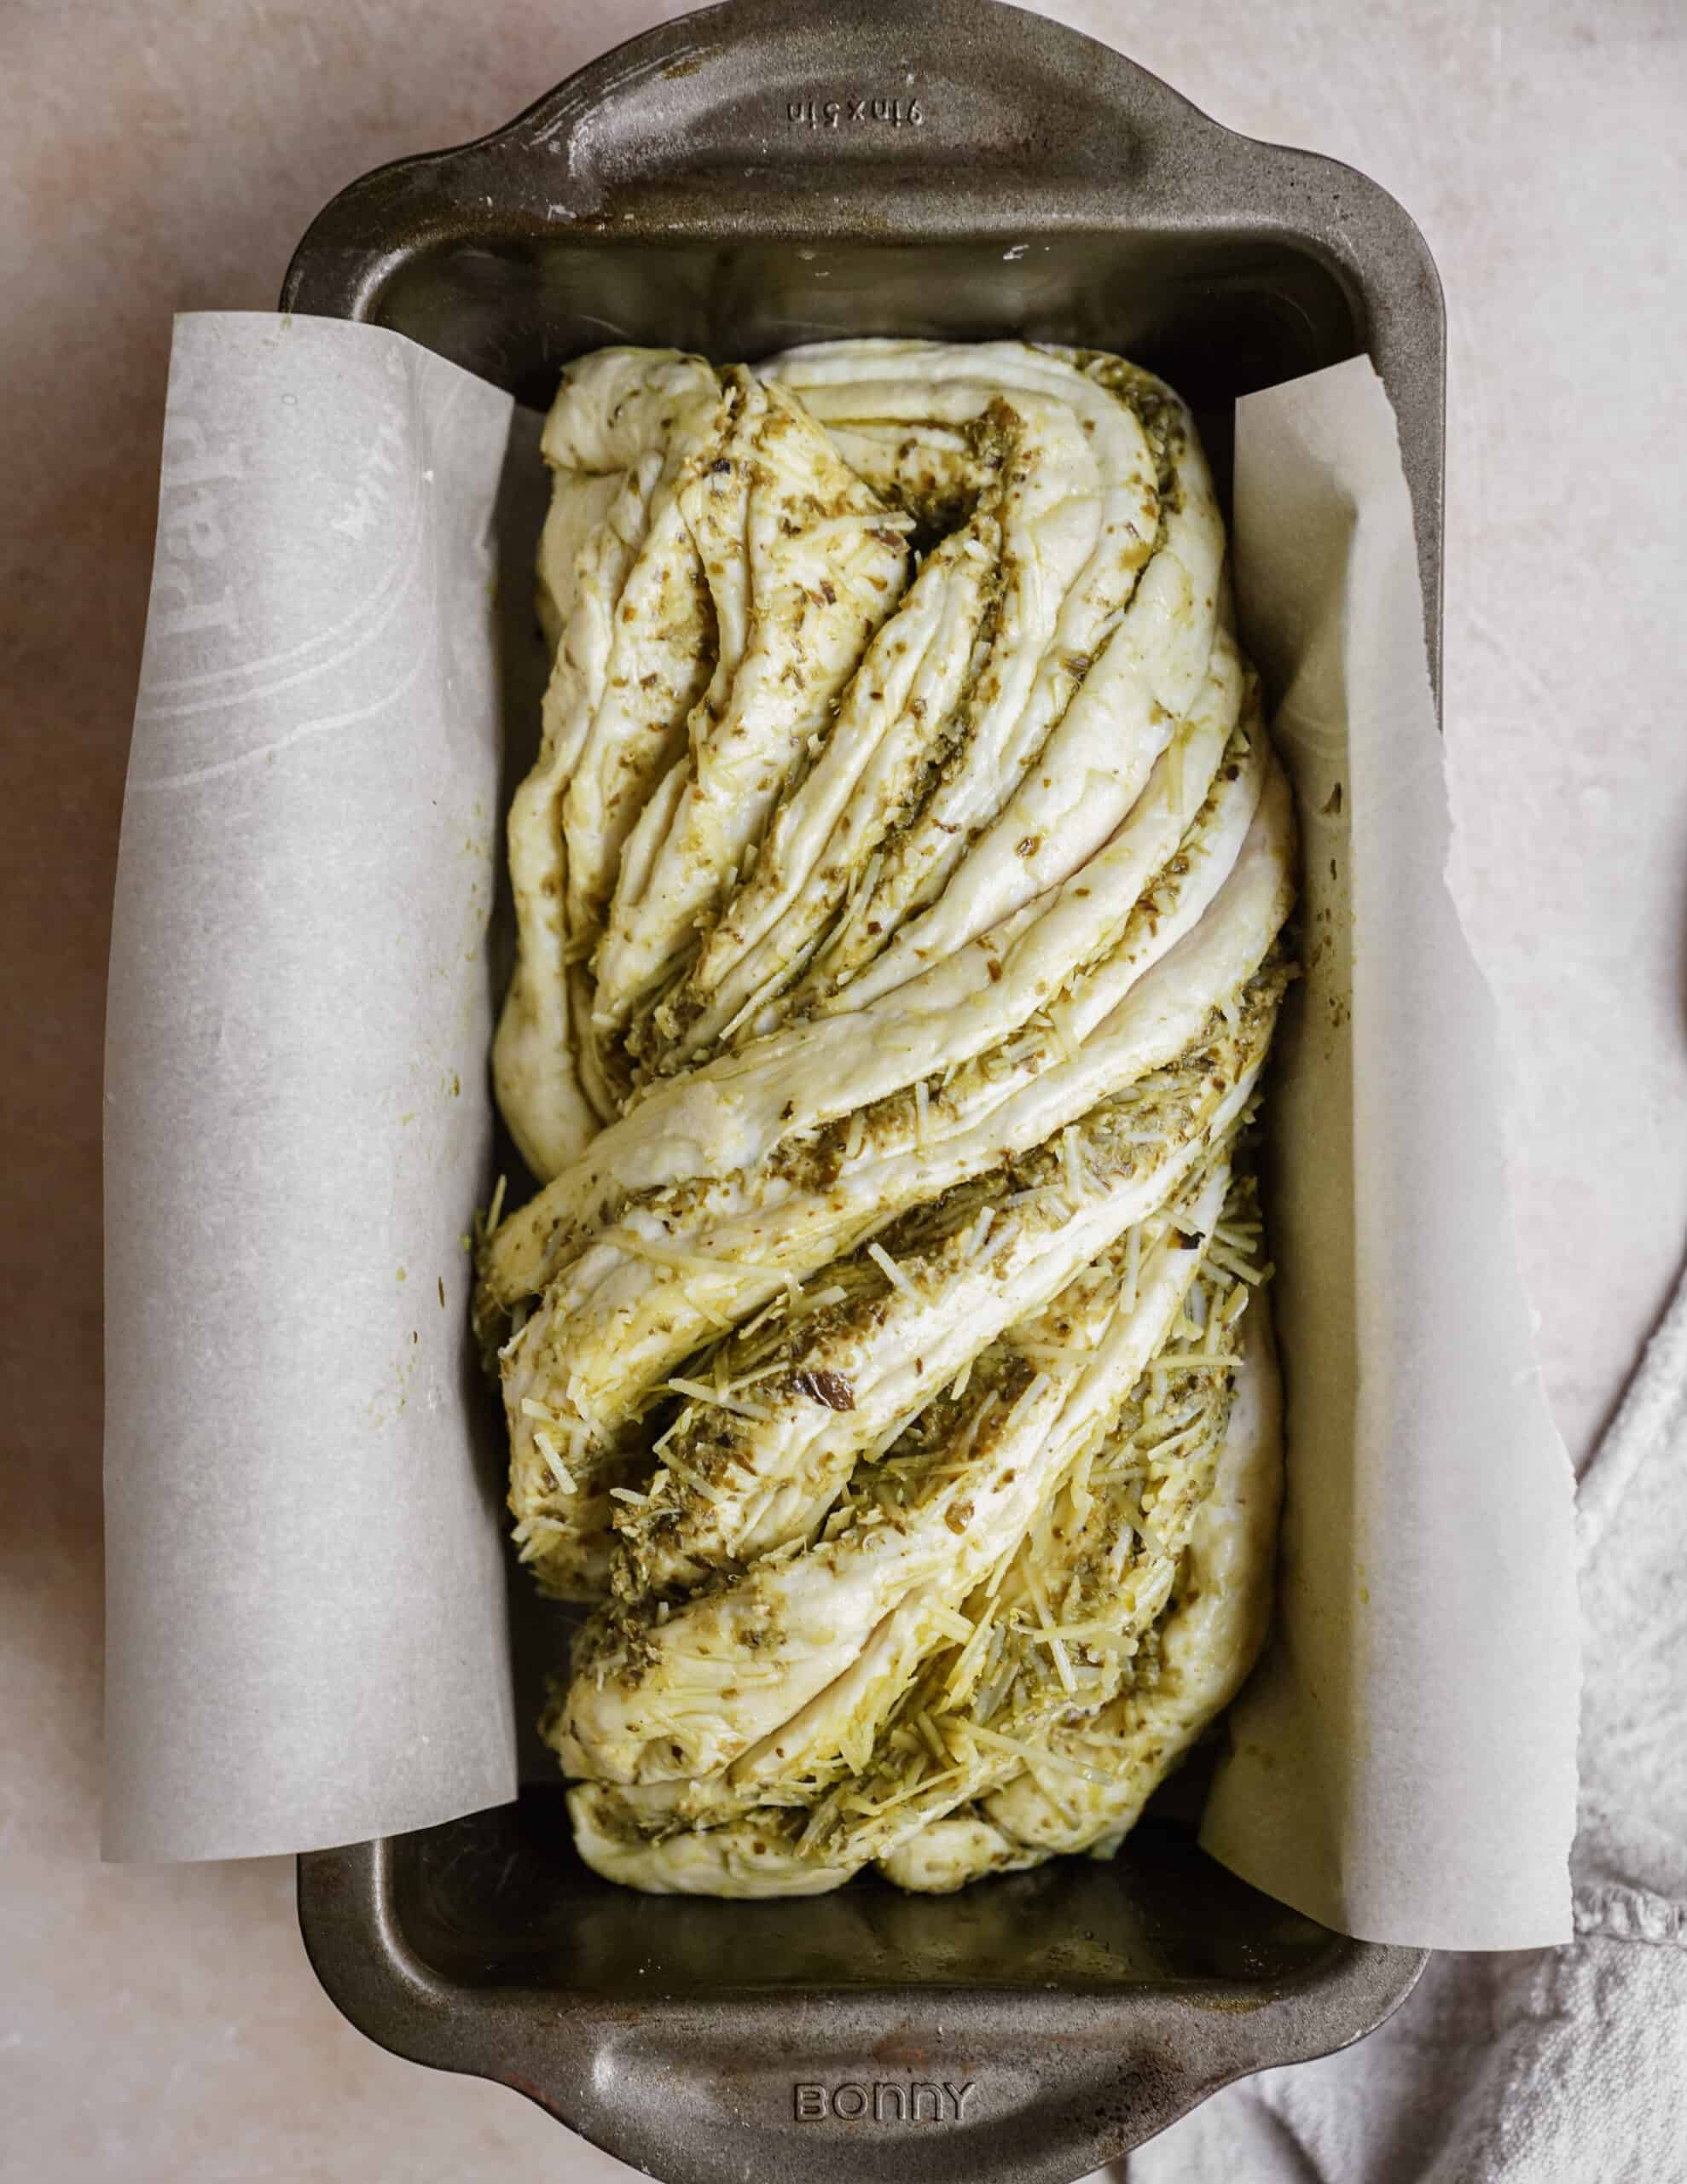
(1216, 315)
(501, 1898)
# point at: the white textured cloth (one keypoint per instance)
(1561, 2065)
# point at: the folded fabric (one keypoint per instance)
(1561, 2065)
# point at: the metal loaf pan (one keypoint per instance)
(757, 174)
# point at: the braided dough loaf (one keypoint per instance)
(899, 893)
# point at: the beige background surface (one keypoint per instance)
(159, 2024)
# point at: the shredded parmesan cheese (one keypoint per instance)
(553, 1463)
(888, 1267)
(699, 1393)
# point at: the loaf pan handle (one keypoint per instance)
(841, 118)
(943, 2088)
(866, 2086)
(757, 120)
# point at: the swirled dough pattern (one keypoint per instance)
(899, 891)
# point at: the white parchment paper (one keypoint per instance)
(1403, 1766)
(306, 1633)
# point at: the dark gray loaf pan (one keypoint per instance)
(760, 173)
